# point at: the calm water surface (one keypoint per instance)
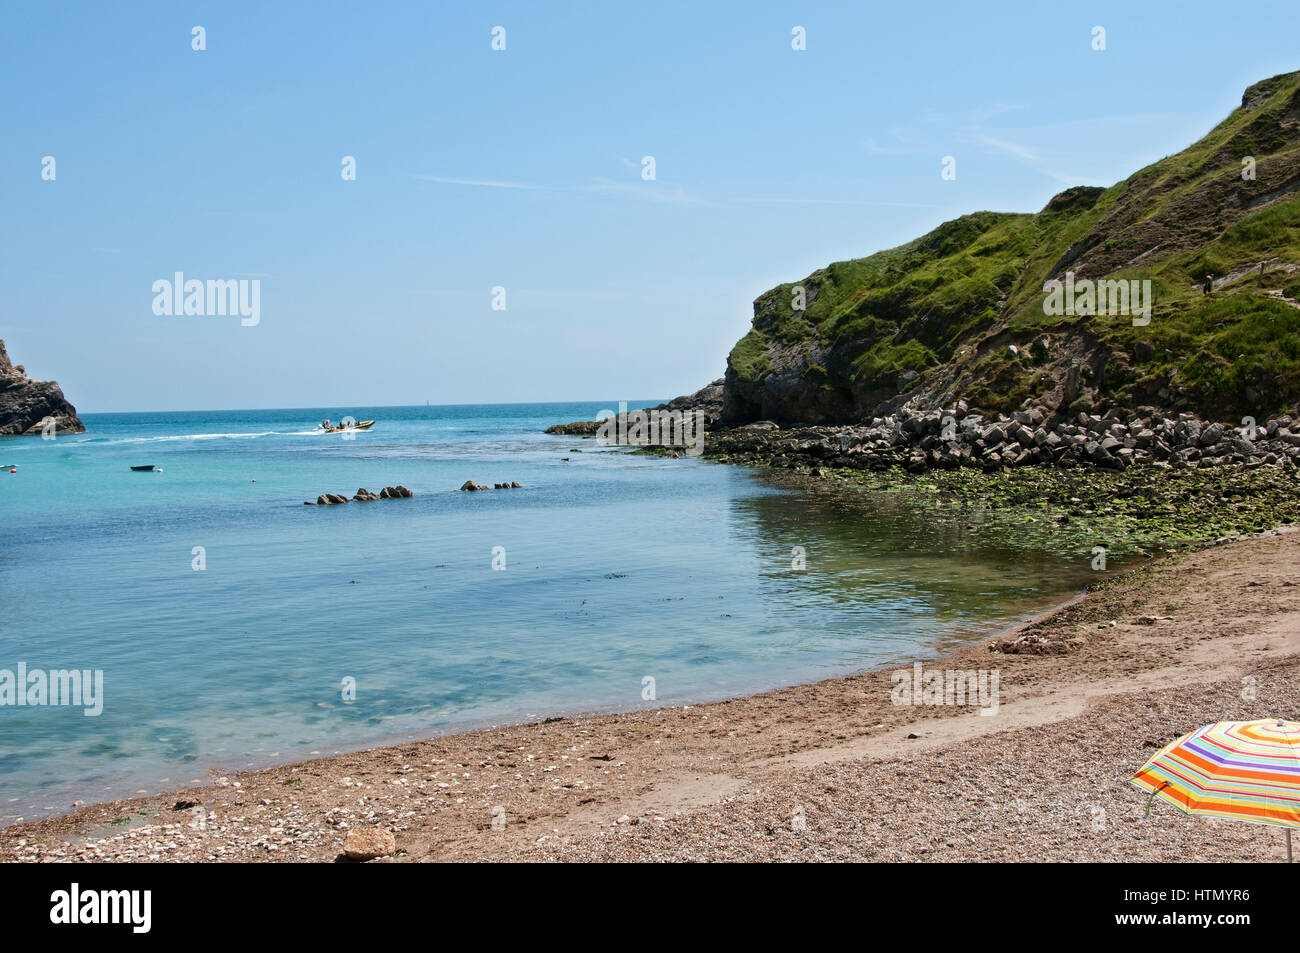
(618, 567)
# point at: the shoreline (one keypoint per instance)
(646, 784)
(125, 790)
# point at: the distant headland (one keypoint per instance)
(30, 407)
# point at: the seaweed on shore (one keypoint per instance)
(1139, 511)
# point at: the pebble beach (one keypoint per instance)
(827, 771)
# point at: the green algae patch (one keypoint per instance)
(1142, 511)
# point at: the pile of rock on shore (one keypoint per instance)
(955, 438)
(363, 496)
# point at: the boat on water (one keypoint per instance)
(147, 466)
(326, 427)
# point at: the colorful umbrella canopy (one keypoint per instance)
(1244, 770)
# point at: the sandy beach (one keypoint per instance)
(830, 771)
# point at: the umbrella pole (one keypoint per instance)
(1288, 845)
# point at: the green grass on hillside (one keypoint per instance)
(926, 303)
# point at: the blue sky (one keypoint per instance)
(522, 169)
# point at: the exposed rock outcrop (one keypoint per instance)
(364, 496)
(469, 486)
(26, 404)
(708, 399)
(578, 428)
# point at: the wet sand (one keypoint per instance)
(829, 771)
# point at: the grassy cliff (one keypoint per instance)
(958, 313)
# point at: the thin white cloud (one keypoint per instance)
(1067, 179)
(1004, 146)
(485, 183)
(1029, 157)
(661, 192)
(993, 110)
(643, 192)
(799, 201)
(634, 191)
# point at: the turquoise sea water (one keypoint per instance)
(619, 567)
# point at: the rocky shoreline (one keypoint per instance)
(954, 438)
(951, 439)
(30, 407)
(707, 400)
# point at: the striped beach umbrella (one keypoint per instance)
(1244, 770)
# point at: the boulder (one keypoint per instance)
(469, 486)
(367, 843)
(1211, 435)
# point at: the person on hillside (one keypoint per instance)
(1209, 284)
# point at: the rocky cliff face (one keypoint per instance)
(959, 314)
(25, 403)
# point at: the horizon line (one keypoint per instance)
(233, 410)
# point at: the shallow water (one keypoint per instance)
(619, 567)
